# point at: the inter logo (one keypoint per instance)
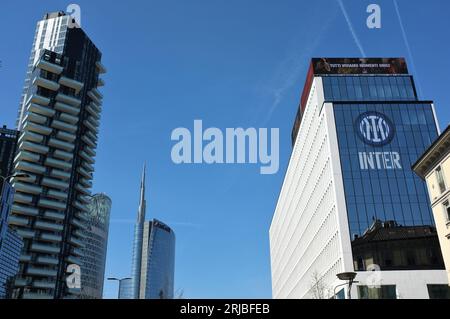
(375, 128)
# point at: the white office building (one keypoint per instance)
(350, 201)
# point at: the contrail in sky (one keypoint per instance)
(352, 30)
(408, 48)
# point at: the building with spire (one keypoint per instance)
(153, 260)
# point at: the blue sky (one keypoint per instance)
(232, 64)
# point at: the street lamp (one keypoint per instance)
(120, 281)
(350, 278)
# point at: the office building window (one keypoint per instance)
(447, 210)
(439, 291)
(440, 179)
(384, 292)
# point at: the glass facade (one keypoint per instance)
(378, 180)
(159, 254)
(10, 243)
(96, 242)
(9, 261)
(369, 88)
(126, 289)
(383, 292)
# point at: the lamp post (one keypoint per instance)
(120, 281)
(350, 278)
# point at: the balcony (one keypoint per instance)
(90, 151)
(27, 188)
(83, 216)
(64, 155)
(85, 182)
(35, 118)
(59, 174)
(97, 107)
(40, 129)
(31, 137)
(52, 204)
(88, 141)
(93, 112)
(57, 163)
(50, 182)
(82, 189)
(94, 98)
(48, 226)
(29, 167)
(65, 136)
(57, 195)
(43, 284)
(44, 272)
(74, 260)
(37, 296)
(61, 144)
(38, 99)
(89, 125)
(45, 111)
(25, 258)
(77, 252)
(50, 238)
(18, 221)
(54, 215)
(73, 101)
(29, 146)
(79, 233)
(45, 248)
(50, 67)
(40, 81)
(77, 242)
(84, 172)
(93, 121)
(22, 198)
(77, 86)
(64, 126)
(78, 223)
(68, 118)
(97, 93)
(27, 156)
(80, 206)
(91, 135)
(100, 82)
(24, 210)
(87, 166)
(20, 282)
(101, 68)
(67, 108)
(87, 157)
(25, 234)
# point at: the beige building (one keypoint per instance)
(434, 167)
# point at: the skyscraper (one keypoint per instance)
(8, 146)
(96, 243)
(136, 261)
(125, 289)
(153, 263)
(158, 261)
(10, 244)
(59, 119)
(350, 201)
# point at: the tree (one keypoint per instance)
(318, 289)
